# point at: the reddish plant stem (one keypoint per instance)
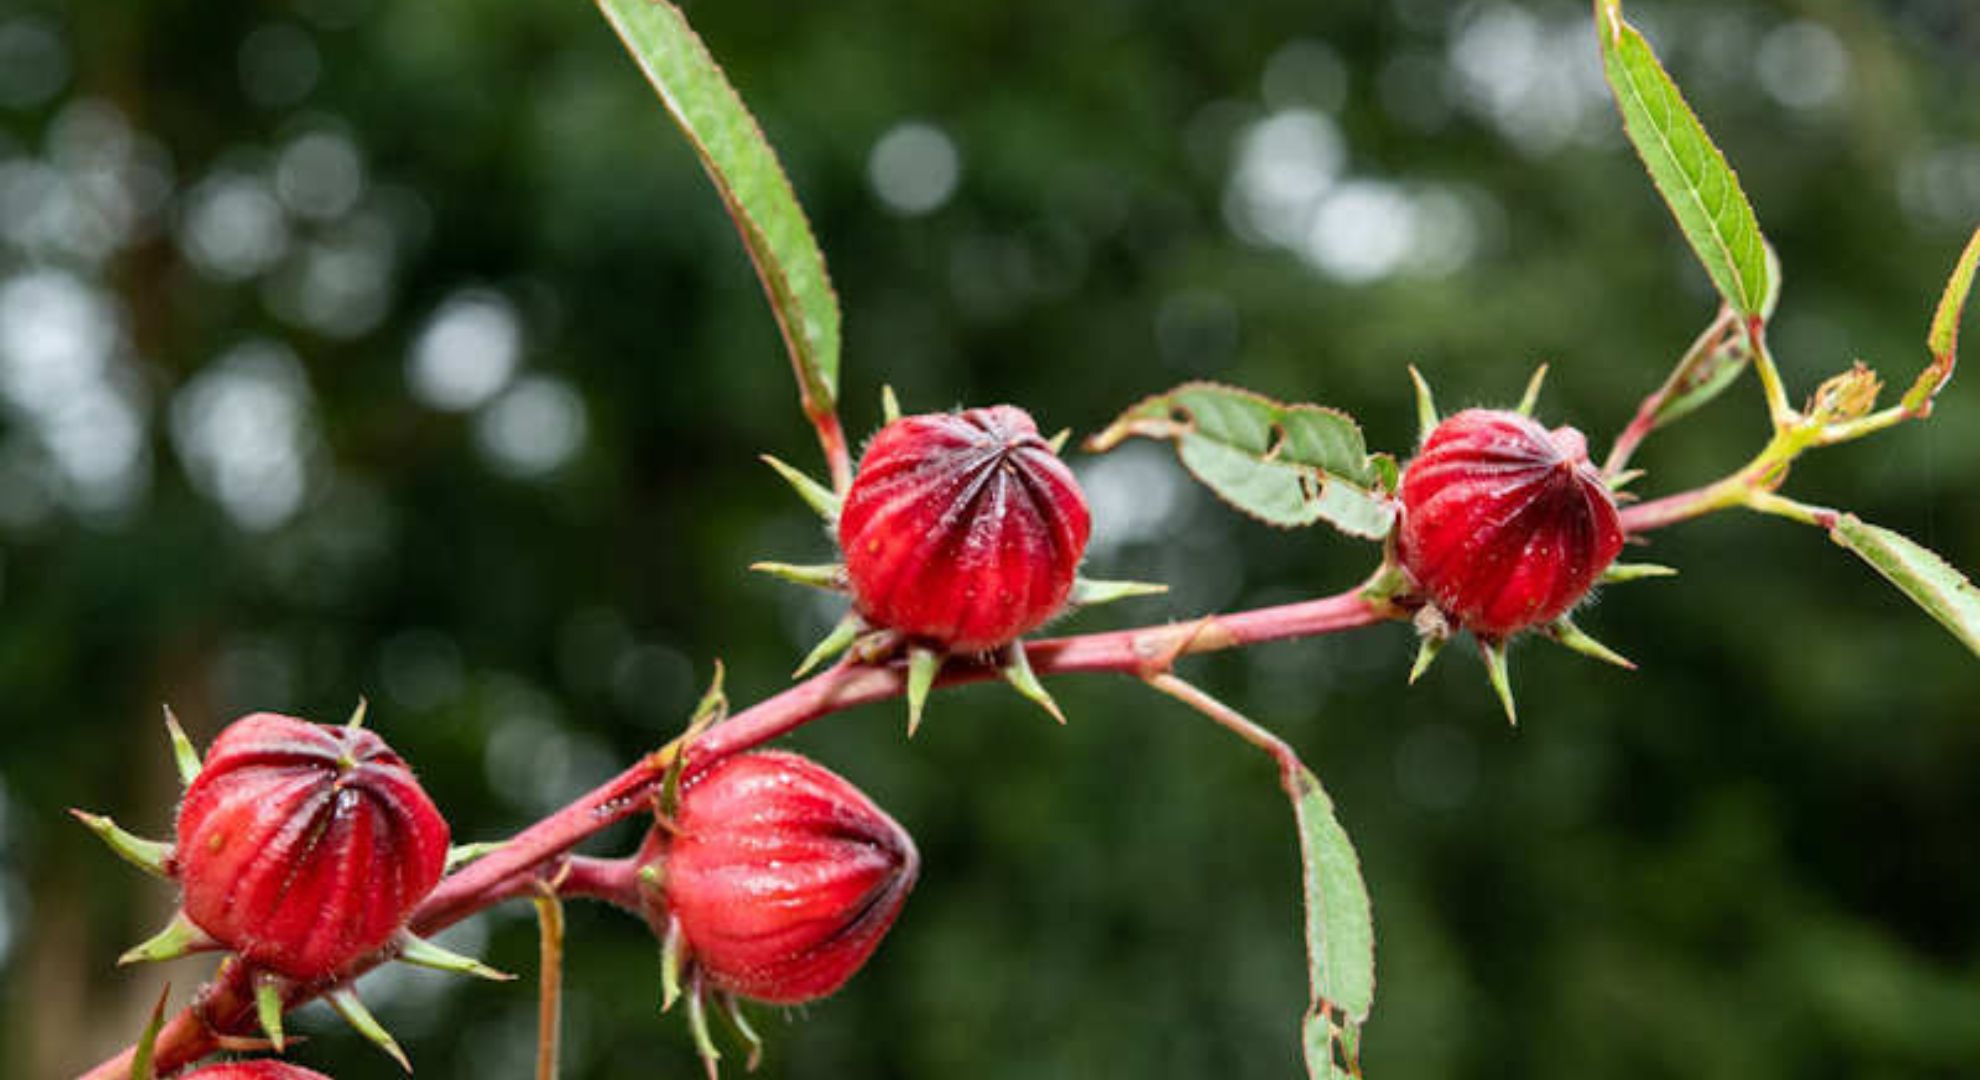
(832, 438)
(1645, 420)
(225, 1007)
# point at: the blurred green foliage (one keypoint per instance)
(1752, 858)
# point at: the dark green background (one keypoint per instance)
(1754, 858)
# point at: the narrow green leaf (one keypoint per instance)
(1930, 581)
(1340, 927)
(751, 182)
(1286, 465)
(1945, 322)
(1943, 339)
(1690, 173)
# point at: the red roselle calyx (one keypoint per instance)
(1505, 524)
(304, 847)
(962, 529)
(258, 1069)
(779, 876)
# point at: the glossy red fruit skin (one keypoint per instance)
(1505, 524)
(962, 529)
(258, 1069)
(303, 847)
(783, 875)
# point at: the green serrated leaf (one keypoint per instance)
(752, 184)
(1340, 927)
(1931, 582)
(1696, 182)
(1286, 465)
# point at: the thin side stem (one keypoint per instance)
(832, 439)
(1235, 722)
(1645, 420)
(1778, 408)
(550, 998)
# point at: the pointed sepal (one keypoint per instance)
(1426, 406)
(1087, 592)
(147, 1045)
(179, 938)
(1625, 478)
(704, 1040)
(150, 856)
(183, 754)
(1494, 655)
(1571, 636)
(923, 665)
(712, 709)
(1016, 670)
(1532, 396)
(816, 495)
(1058, 442)
(839, 640)
(732, 1010)
(348, 1006)
(673, 958)
(357, 713)
(423, 953)
(1617, 573)
(268, 1007)
(462, 854)
(1427, 648)
(890, 406)
(828, 576)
